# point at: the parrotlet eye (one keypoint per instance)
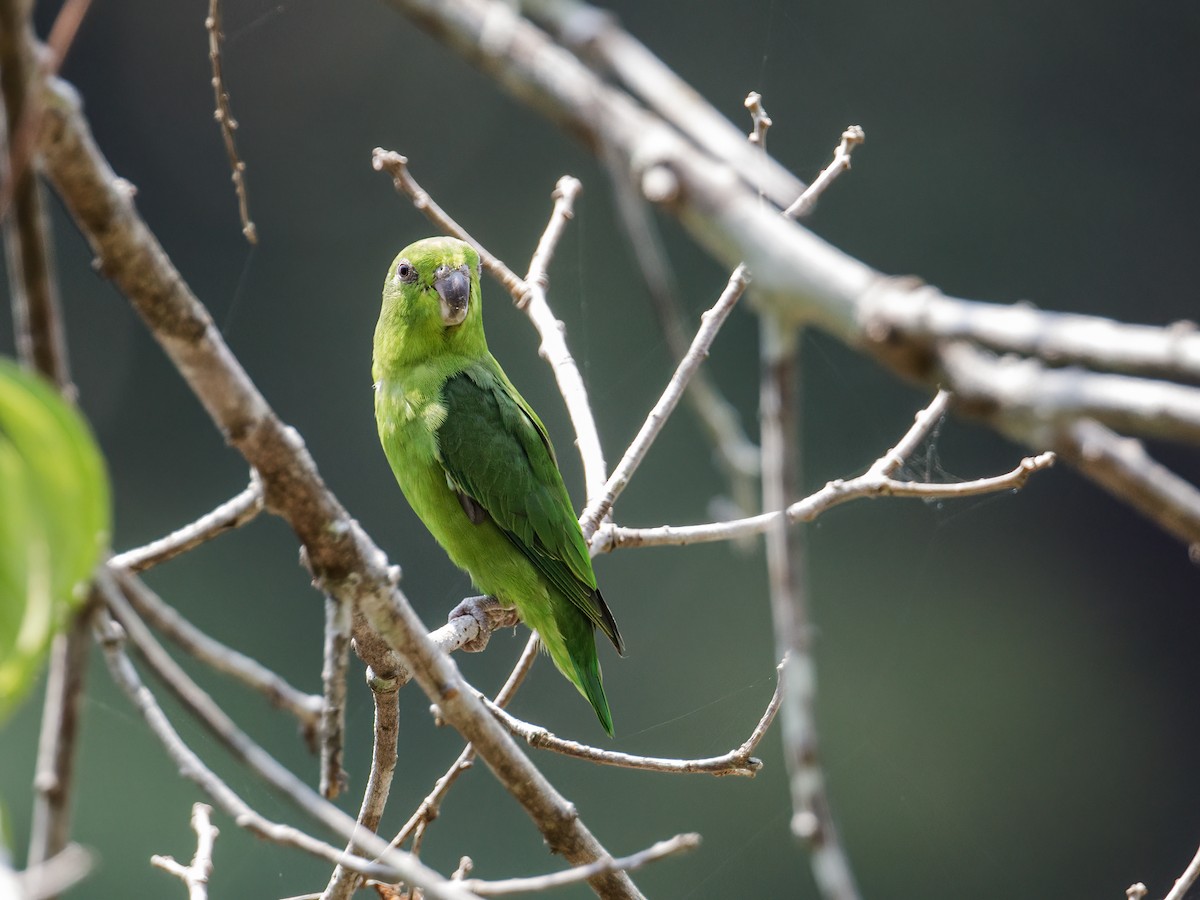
(406, 272)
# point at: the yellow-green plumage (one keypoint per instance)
(475, 462)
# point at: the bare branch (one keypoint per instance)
(55, 876)
(1186, 880)
(923, 423)
(806, 202)
(554, 344)
(681, 843)
(379, 783)
(396, 865)
(1043, 406)
(877, 481)
(37, 321)
(233, 513)
(196, 875)
(428, 808)
(383, 761)
(344, 561)
(22, 138)
(211, 715)
(41, 346)
(461, 631)
(599, 506)
(529, 294)
(739, 761)
(710, 323)
(224, 116)
(397, 166)
(918, 317)
(735, 452)
(759, 119)
(812, 819)
(519, 672)
(54, 780)
(249, 671)
(597, 34)
(793, 269)
(1037, 400)
(332, 731)
(798, 276)
(1124, 468)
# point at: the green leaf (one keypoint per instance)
(55, 520)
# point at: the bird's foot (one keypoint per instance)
(489, 615)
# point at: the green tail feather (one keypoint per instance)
(588, 682)
(573, 650)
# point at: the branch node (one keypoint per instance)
(758, 117)
(660, 184)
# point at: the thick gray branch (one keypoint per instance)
(799, 278)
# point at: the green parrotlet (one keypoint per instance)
(475, 462)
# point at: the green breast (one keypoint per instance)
(407, 422)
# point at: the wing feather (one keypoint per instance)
(497, 455)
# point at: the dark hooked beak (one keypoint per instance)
(453, 288)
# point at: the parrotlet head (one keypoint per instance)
(431, 304)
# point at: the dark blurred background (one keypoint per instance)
(1007, 685)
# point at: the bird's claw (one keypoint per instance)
(488, 614)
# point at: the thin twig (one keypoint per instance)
(528, 294)
(739, 761)
(428, 808)
(37, 321)
(224, 116)
(812, 819)
(681, 843)
(306, 708)
(875, 482)
(553, 348)
(807, 201)
(22, 136)
(736, 454)
(56, 875)
(54, 780)
(710, 323)
(759, 119)
(397, 166)
(332, 732)
(519, 672)
(599, 506)
(233, 513)
(923, 423)
(212, 716)
(395, 866)
(196, 875)
(1185, 881)
(343, 882)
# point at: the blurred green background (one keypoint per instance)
(1007, 685)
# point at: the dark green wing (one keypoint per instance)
(498, 457)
